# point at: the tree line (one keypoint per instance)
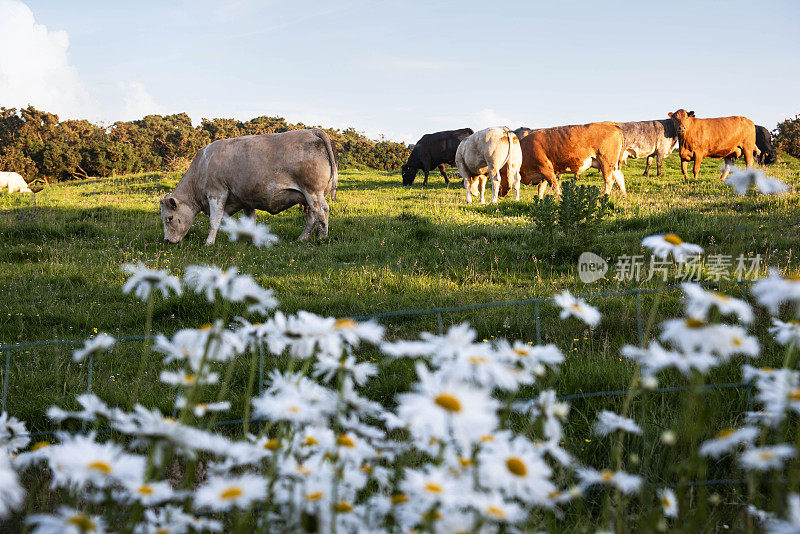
(37, 144)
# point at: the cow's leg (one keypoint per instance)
(482, 187)
(749, 156)
(696, 169)
(727, 167)
(620, 179)
(321, 213)
(684, 165)
(542, 189)
(495, 177)
(216, 209)
(444, 173)
(466, 179)
(647, 167)
(659, 161)
(517, 181)
(425, 181)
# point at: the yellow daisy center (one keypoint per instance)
(666, 503)
(103, 467)
(234, 492)
(448, 402)
(486, 438)
(520, 352)
(344, 323)
(366, 468)
(83, 522)
(342, 507)
(728, 432)
(465, 462)
(433, 487)
(516, 466)
(40, 445)
(161, 531)
(795, 395)
(205, 327)
(345, 441)
(673, 239)
(145, 490)
(310, 440)
(766, 455)
(606, 475)
(271, 444)
(693, 322)
(494, 511)
(190, 379)
(315, 496)
(399, 498)
(554, 494)
(477, 359)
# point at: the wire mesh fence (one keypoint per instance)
(9, 352)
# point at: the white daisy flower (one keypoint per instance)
(144, 280)
(481, 365)
(220, 494)
(202, 408)
(328, 367)
(774, 290)
(778, 391)
(173, 520)
(208, 343)
(727, 440)
(572, 306)
(444, 409)
(669, 503)
(495, 508)
(656, 358)
(295, 399)
(329, 335)
(244, 289)
(148, 493)
(787, 333)
(699, 302)
(93, 407)
(247, 228)
(663, 245)
(12, 496)
(188, 379)
(609, 422)
(532, 358)
(431, 485)
(790, 525)
(691, 334)
(80, 460)
(742, 179)
(623, 481)
(94, 345)
(766, 458)
(457, 339)
(13, 434)
(514, 467)
(66, 521)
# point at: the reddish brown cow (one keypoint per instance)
(723, 137)
(548, 152)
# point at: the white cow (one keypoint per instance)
(486, 152)
(14, 182)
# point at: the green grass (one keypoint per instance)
(390, 248)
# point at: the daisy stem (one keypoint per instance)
(619, 446)
(249, 392)
(148, 329)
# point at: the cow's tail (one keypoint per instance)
(509, 133)
(334, 179)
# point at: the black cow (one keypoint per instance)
(431, 151)
(768, 154)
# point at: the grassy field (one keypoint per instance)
(390, 248)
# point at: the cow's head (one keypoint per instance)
(408, 174)
(770, 157)
(680, 119)
(177, 217)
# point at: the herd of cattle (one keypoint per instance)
(540, 156)
(273, 172)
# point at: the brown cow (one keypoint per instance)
(548, 152)
(723, 137)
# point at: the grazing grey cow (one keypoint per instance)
(485, 153)
(270, 172)
(647, 139)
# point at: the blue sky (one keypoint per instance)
(404, 69)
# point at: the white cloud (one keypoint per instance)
(137, 101)
(34, 64)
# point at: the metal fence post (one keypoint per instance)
(441, 323)
(5, 380)
(538, 323)
(639, 326)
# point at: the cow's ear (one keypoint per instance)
(670, 114)
(691, 113)
(170, 202)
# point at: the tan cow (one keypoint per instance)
(485, 153)
(548, 152)
(270, 172)
(14, 182)
(723, 137)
